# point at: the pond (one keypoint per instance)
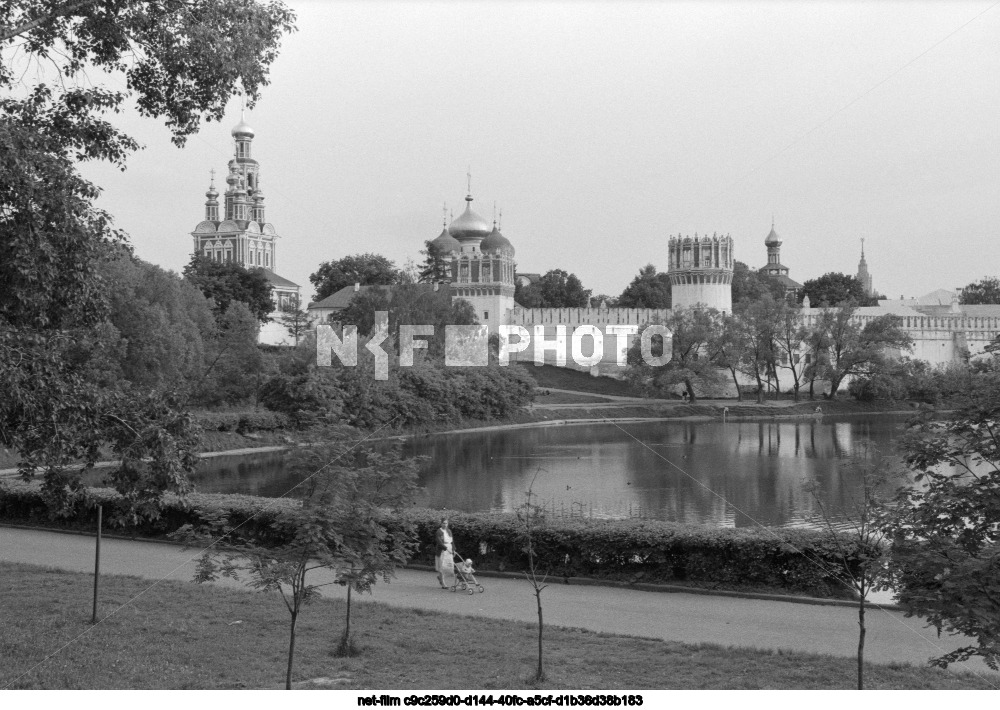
(737, 474)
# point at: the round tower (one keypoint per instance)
(701, 271)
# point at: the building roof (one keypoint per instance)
(785, 281)
(772, 237)
(469, 225)
(341, 299)
(496, 242)
(446, 242)
(533, 278)
(279, 281)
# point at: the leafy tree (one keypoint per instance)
(183, 62)
(695, 339)
(946, 548)
(730, 346)
(365, 269)
(340, 527)
(835, 289)
(437, 264)
(854, 348)
(760, 322)
(790, 337)
(357, 489)
(235, 371)
(751, 285)
(226, 282)
(556, 289)
(647, 290)
(986, 290)
(163, 324)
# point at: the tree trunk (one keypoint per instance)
(861, 644)
(347, 625)
(291, 652)
(540, 673)
(760, 389)
(812, 394)
(690, 389)
(739, 394)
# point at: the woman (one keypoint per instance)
(444, 558)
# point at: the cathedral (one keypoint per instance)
(242, 235)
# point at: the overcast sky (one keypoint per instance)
(601, 129)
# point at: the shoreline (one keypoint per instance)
(654, 413)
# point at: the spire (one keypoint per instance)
(500, 224)
(444, 215)
(469, 176)
(494, 213)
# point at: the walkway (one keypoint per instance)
(689, 618)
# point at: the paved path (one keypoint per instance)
(689, 618)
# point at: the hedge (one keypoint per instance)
(793, 561)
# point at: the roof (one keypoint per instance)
(772, 237)
(784, 281)
(279, 281)
(533, 278)
(495, 241)
(342, 298)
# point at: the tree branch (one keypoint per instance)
(66, 9)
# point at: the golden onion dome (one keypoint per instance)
(469, 225)
(772, 237)
(242, 129)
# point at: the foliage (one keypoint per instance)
(986, 290)
(947, 545)
(236, 369)
(436, 267)
(864, 567)
(163, 325)
(226, 282)
(241, 422)
(365, 269)
(556, 289)
(647, 290)
(339, 527)
(855, 348)
(295, 321)
(649, 551)
(835, 289)
(759, 322)
(609, 301)
(695, 339)
(751, 285)
(790, 337)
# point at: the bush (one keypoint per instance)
(647, 551)
(793, 561)
(241, 422)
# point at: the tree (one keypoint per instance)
(532, 517)
(235, 369)
(226, 282)
(341, 526)
(296, 321)
(695, 334)
(730, 346)
(760, 322)
(986, 290)
(183, 62)
(365, 269)
(856, 348)
(647, 290)
(835, 289)
(596, 301)
(946, 547)
(437, 264)
(750, 285)
(860, 534)
(556, 289)
(790, 337)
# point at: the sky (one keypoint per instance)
(601, 129)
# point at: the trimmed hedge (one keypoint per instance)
(795, 561)
(799, 561)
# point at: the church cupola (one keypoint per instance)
(212, 202)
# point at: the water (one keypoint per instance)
(739, 474)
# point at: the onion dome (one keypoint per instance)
(772, 237)
(212, 192)
(469, 225)
(232, 179)
(446, 243)
(242, 129)
(497, 243)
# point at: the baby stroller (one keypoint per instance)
(465, 576)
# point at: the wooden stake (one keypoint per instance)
(97, 564)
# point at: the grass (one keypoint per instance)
(180, 635)
(545, 397)
(565, 378)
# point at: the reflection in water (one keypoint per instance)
(737, 474)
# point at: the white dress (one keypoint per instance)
(444, 563)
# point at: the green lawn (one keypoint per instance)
(180, 635)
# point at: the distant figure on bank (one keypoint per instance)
(444, 558)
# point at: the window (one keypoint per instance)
(486, 315)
